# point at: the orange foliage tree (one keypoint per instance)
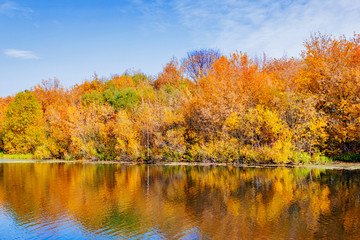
(331, 72)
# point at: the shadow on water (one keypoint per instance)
(87, 201)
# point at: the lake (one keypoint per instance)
(117, 201)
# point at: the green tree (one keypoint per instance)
(23, 128)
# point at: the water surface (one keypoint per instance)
(114, 201)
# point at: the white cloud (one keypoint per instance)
(11, 9)
(16, 53)
(273, 27)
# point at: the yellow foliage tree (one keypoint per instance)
(23, 129)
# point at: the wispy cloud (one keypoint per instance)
(12, 9)
(274, 27)
(16, 53)
(154, 14)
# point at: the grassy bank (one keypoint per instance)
(16, 156)
(251, 160)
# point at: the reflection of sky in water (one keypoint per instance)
(112, 201)
(13, 226)
(64, 229)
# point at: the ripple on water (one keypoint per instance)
(80, 201)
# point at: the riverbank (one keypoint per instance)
(114, 198)
(333, 165)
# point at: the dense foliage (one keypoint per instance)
(232, 109)
(23, 127)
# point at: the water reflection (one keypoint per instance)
(88, 201)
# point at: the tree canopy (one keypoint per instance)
(23, 127)
(208, 107)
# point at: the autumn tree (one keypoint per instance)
(4, 102)
(331, 73)
(91, 135)
(23, 129)
(171, 75)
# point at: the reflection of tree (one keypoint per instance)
(170, 201)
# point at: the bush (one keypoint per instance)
(347, 158)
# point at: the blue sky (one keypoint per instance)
(71, 40)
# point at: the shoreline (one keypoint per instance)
(331, 166)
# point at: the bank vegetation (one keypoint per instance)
(207, 107)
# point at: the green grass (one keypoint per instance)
(16, 156)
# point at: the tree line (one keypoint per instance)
(205, 107)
